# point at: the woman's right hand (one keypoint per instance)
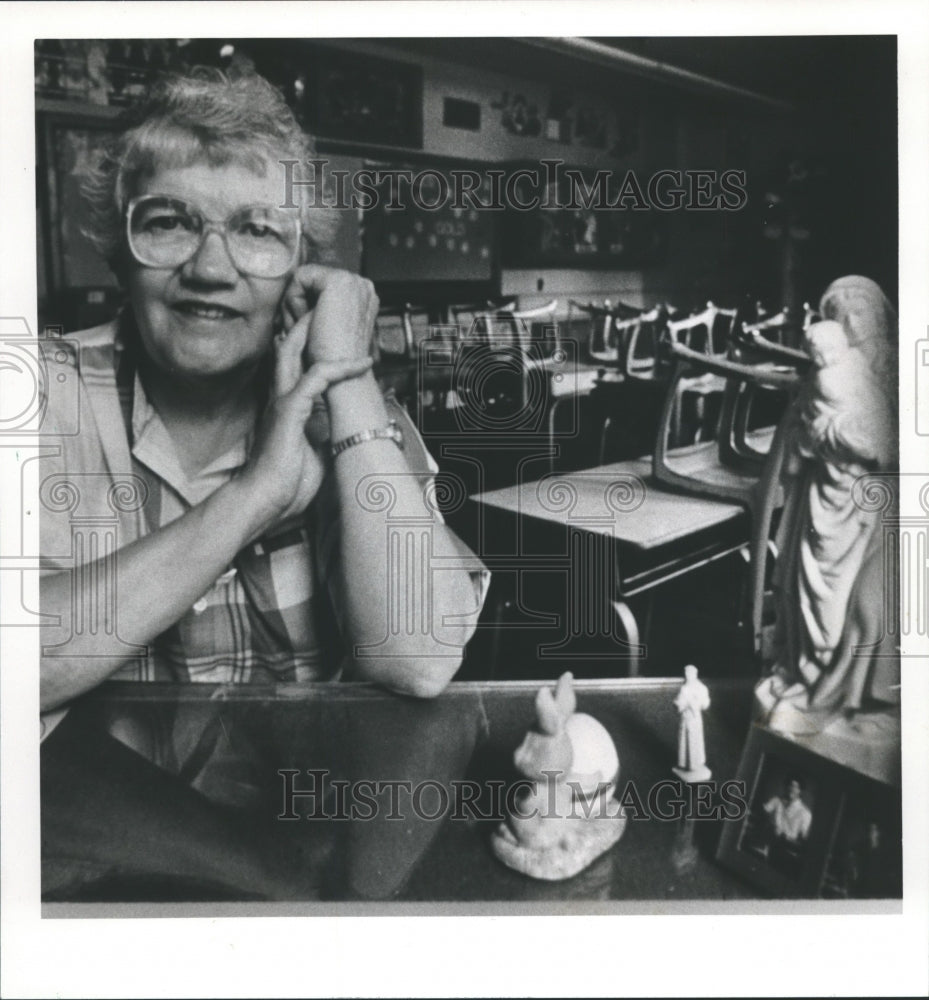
(284, 470)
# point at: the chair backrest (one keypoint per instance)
(399, 329)
(605, 344)
(810, 316)
(775, 327)
(466, 315)
(769, 497)
(511, 326)
(707, 331)
(768, 339)
(708, 473)
(643, 337)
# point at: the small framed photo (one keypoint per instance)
(866, 859)
(812, 828)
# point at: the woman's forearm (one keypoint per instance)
(157, 579)
(396, 602)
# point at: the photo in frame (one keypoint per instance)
(361, 99)
(813, 828)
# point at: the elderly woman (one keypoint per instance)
(231, 426)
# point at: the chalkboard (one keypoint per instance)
(416, 243)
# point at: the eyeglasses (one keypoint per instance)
(261, 240)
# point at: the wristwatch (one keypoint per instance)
(391, 432)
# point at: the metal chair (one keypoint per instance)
(702, 468)
(706, 332)
(643, 336)
(466, 315)
(393, 331)
(706, 469)
(632, 396)
(603, 346)
(767, 337)
(762, 344)
(398, 330)
(501, 342)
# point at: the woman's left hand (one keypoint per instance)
(284, 465)
(338, 308)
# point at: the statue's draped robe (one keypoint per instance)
(830, 574)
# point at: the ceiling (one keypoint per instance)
(788, 67)
(808, 72)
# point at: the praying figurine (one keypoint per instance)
(834, 683)
(692, 701)
(567, 816)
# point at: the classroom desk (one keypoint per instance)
(643, 534)
(206, 824)
(406, 376)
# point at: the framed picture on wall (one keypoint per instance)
(78, 288)
(417, 243)
(362, 99)
(577, 227)
(72, 147)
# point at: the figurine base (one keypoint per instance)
(865, 741)
(693, 775)
(868, 743)
(583, 842)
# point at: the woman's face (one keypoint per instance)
(204, 317)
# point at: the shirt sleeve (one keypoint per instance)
(57, 493)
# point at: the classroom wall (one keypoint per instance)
(708, 255)
(705, 255)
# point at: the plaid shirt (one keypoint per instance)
(269, 616)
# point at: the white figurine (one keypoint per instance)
(692, 701)
(567, 816)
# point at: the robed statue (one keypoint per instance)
(835, 677)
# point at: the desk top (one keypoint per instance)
(227, 840)
(646, 517)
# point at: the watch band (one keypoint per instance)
(391, 432)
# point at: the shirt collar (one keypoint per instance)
(150, 442)
(153, 447)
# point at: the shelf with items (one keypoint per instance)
(102, 73)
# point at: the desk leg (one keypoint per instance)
(631, 628)
(552, 413)
(604, 431)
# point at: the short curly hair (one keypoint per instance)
(204, 116)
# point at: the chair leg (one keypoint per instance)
(553, 449)
(631, 627)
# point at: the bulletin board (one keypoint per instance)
(568, 234)
(416, 244)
